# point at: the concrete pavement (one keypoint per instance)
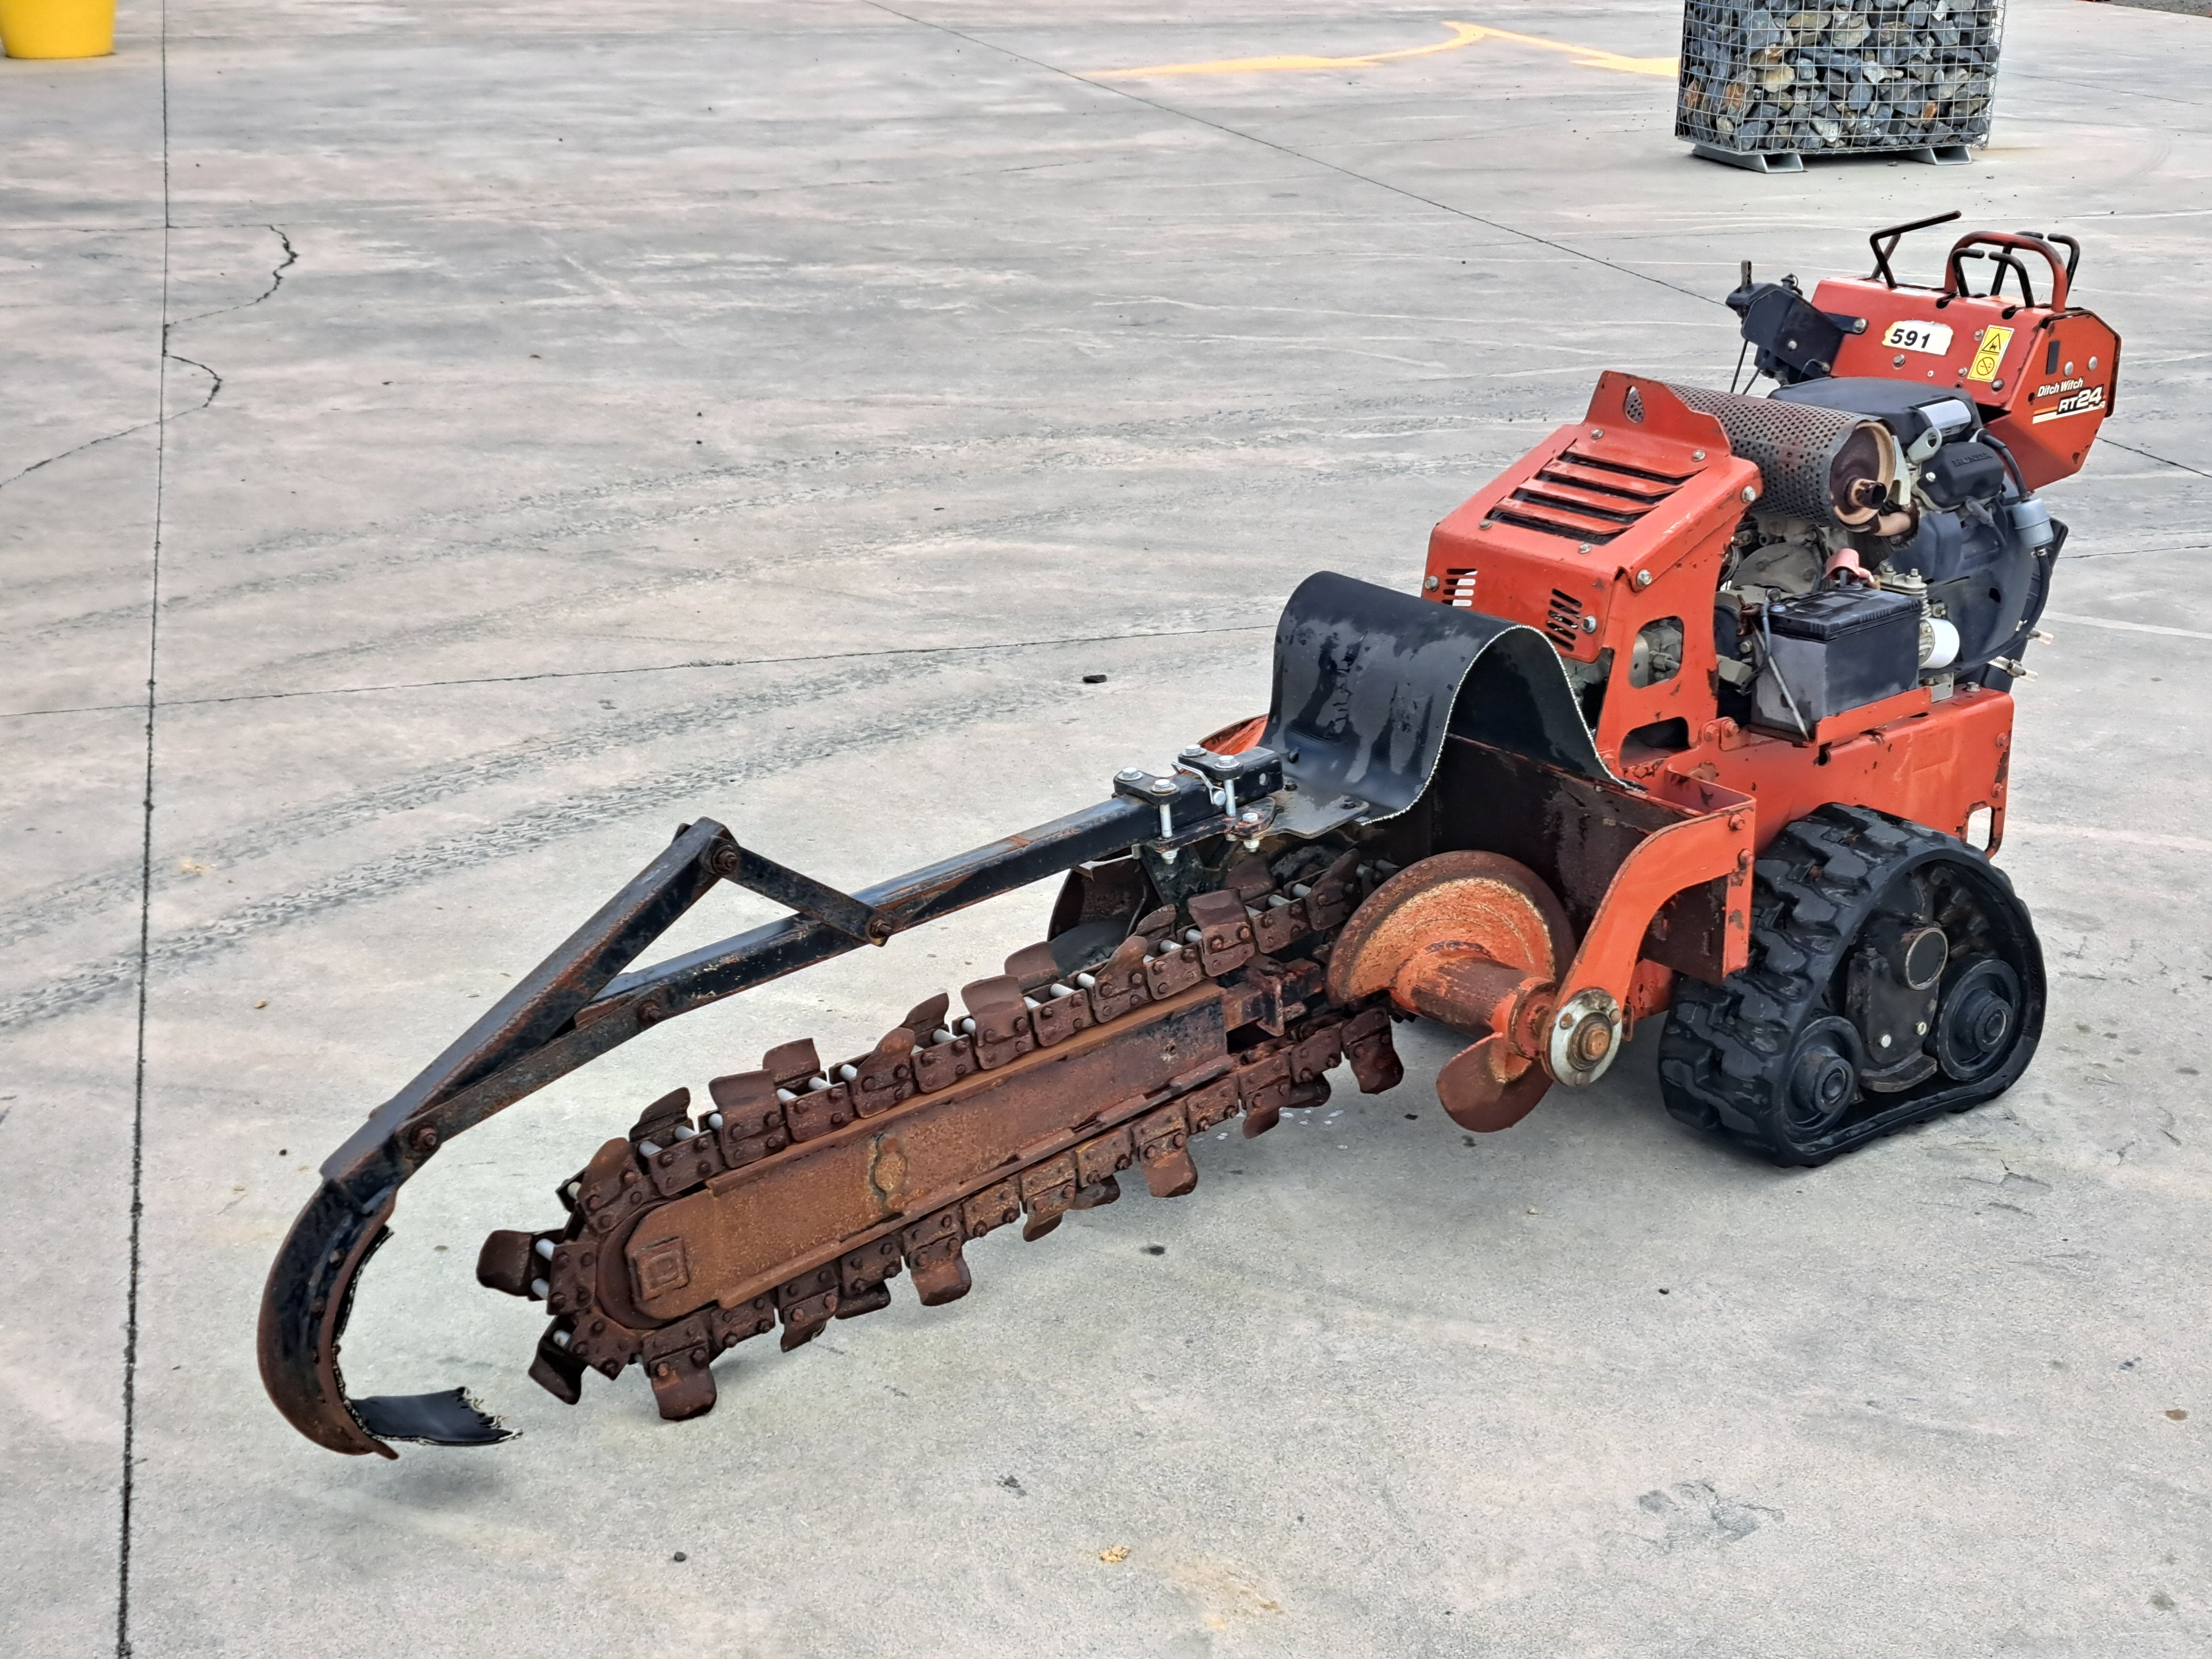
(501, 430)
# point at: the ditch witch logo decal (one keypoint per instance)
(2074, 398)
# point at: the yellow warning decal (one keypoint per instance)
(1989, 355)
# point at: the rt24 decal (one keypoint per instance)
(2083, 402)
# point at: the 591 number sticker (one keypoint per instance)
(1919, 336)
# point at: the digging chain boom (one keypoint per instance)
(806, 1187)
(1229, 932)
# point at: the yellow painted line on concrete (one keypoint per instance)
(1463, 34)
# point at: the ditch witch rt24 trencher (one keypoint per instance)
(1703, 709)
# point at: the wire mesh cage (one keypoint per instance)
(1851, 77)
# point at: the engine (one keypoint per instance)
(1860, 546)
(1929, 535)
(1905, 544)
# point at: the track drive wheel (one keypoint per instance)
(1894, 976)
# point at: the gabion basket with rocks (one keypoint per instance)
(1762, 84)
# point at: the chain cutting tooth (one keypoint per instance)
(658, 1121)
(1119, 984)
(1048, 1194)
(505, 1263)
(1098, 1161)
(999, 1023)
(753, 1124)
(926, 1017)
(792, 1063)
(676, 1361)
(885, 1076)
(807, 1304)
(934, 1257)
(555, 1369)
(1248, 877)
(1163, 1142)
(992, 1208)
(1033, 965)
(864, 1277)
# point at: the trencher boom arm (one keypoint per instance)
(575, 1006)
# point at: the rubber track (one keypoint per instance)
(1721, 1053)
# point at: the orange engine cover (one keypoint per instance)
(1613, 529)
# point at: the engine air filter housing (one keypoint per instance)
(1828, 466)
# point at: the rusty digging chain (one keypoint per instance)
(1232, 944)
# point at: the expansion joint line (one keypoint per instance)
(1369, 178)
(128, 1492)
(2163, 460)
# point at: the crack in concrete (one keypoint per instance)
(90, 443)
(214, 389)
(276, 281)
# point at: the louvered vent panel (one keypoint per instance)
(1583, 500)
(1458, 589)
(1563, 621)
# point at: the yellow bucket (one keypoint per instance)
(57, 28)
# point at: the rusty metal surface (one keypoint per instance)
(809, 1187)
(1476, 941)
(1479, 899)
(1491, 1086)
(1572, 832)
(310, 1287)
(1715, 846)
(800, 893)
(1222, 969)
(575, 1006)
(750, 1229)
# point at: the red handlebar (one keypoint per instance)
(2005, 241)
